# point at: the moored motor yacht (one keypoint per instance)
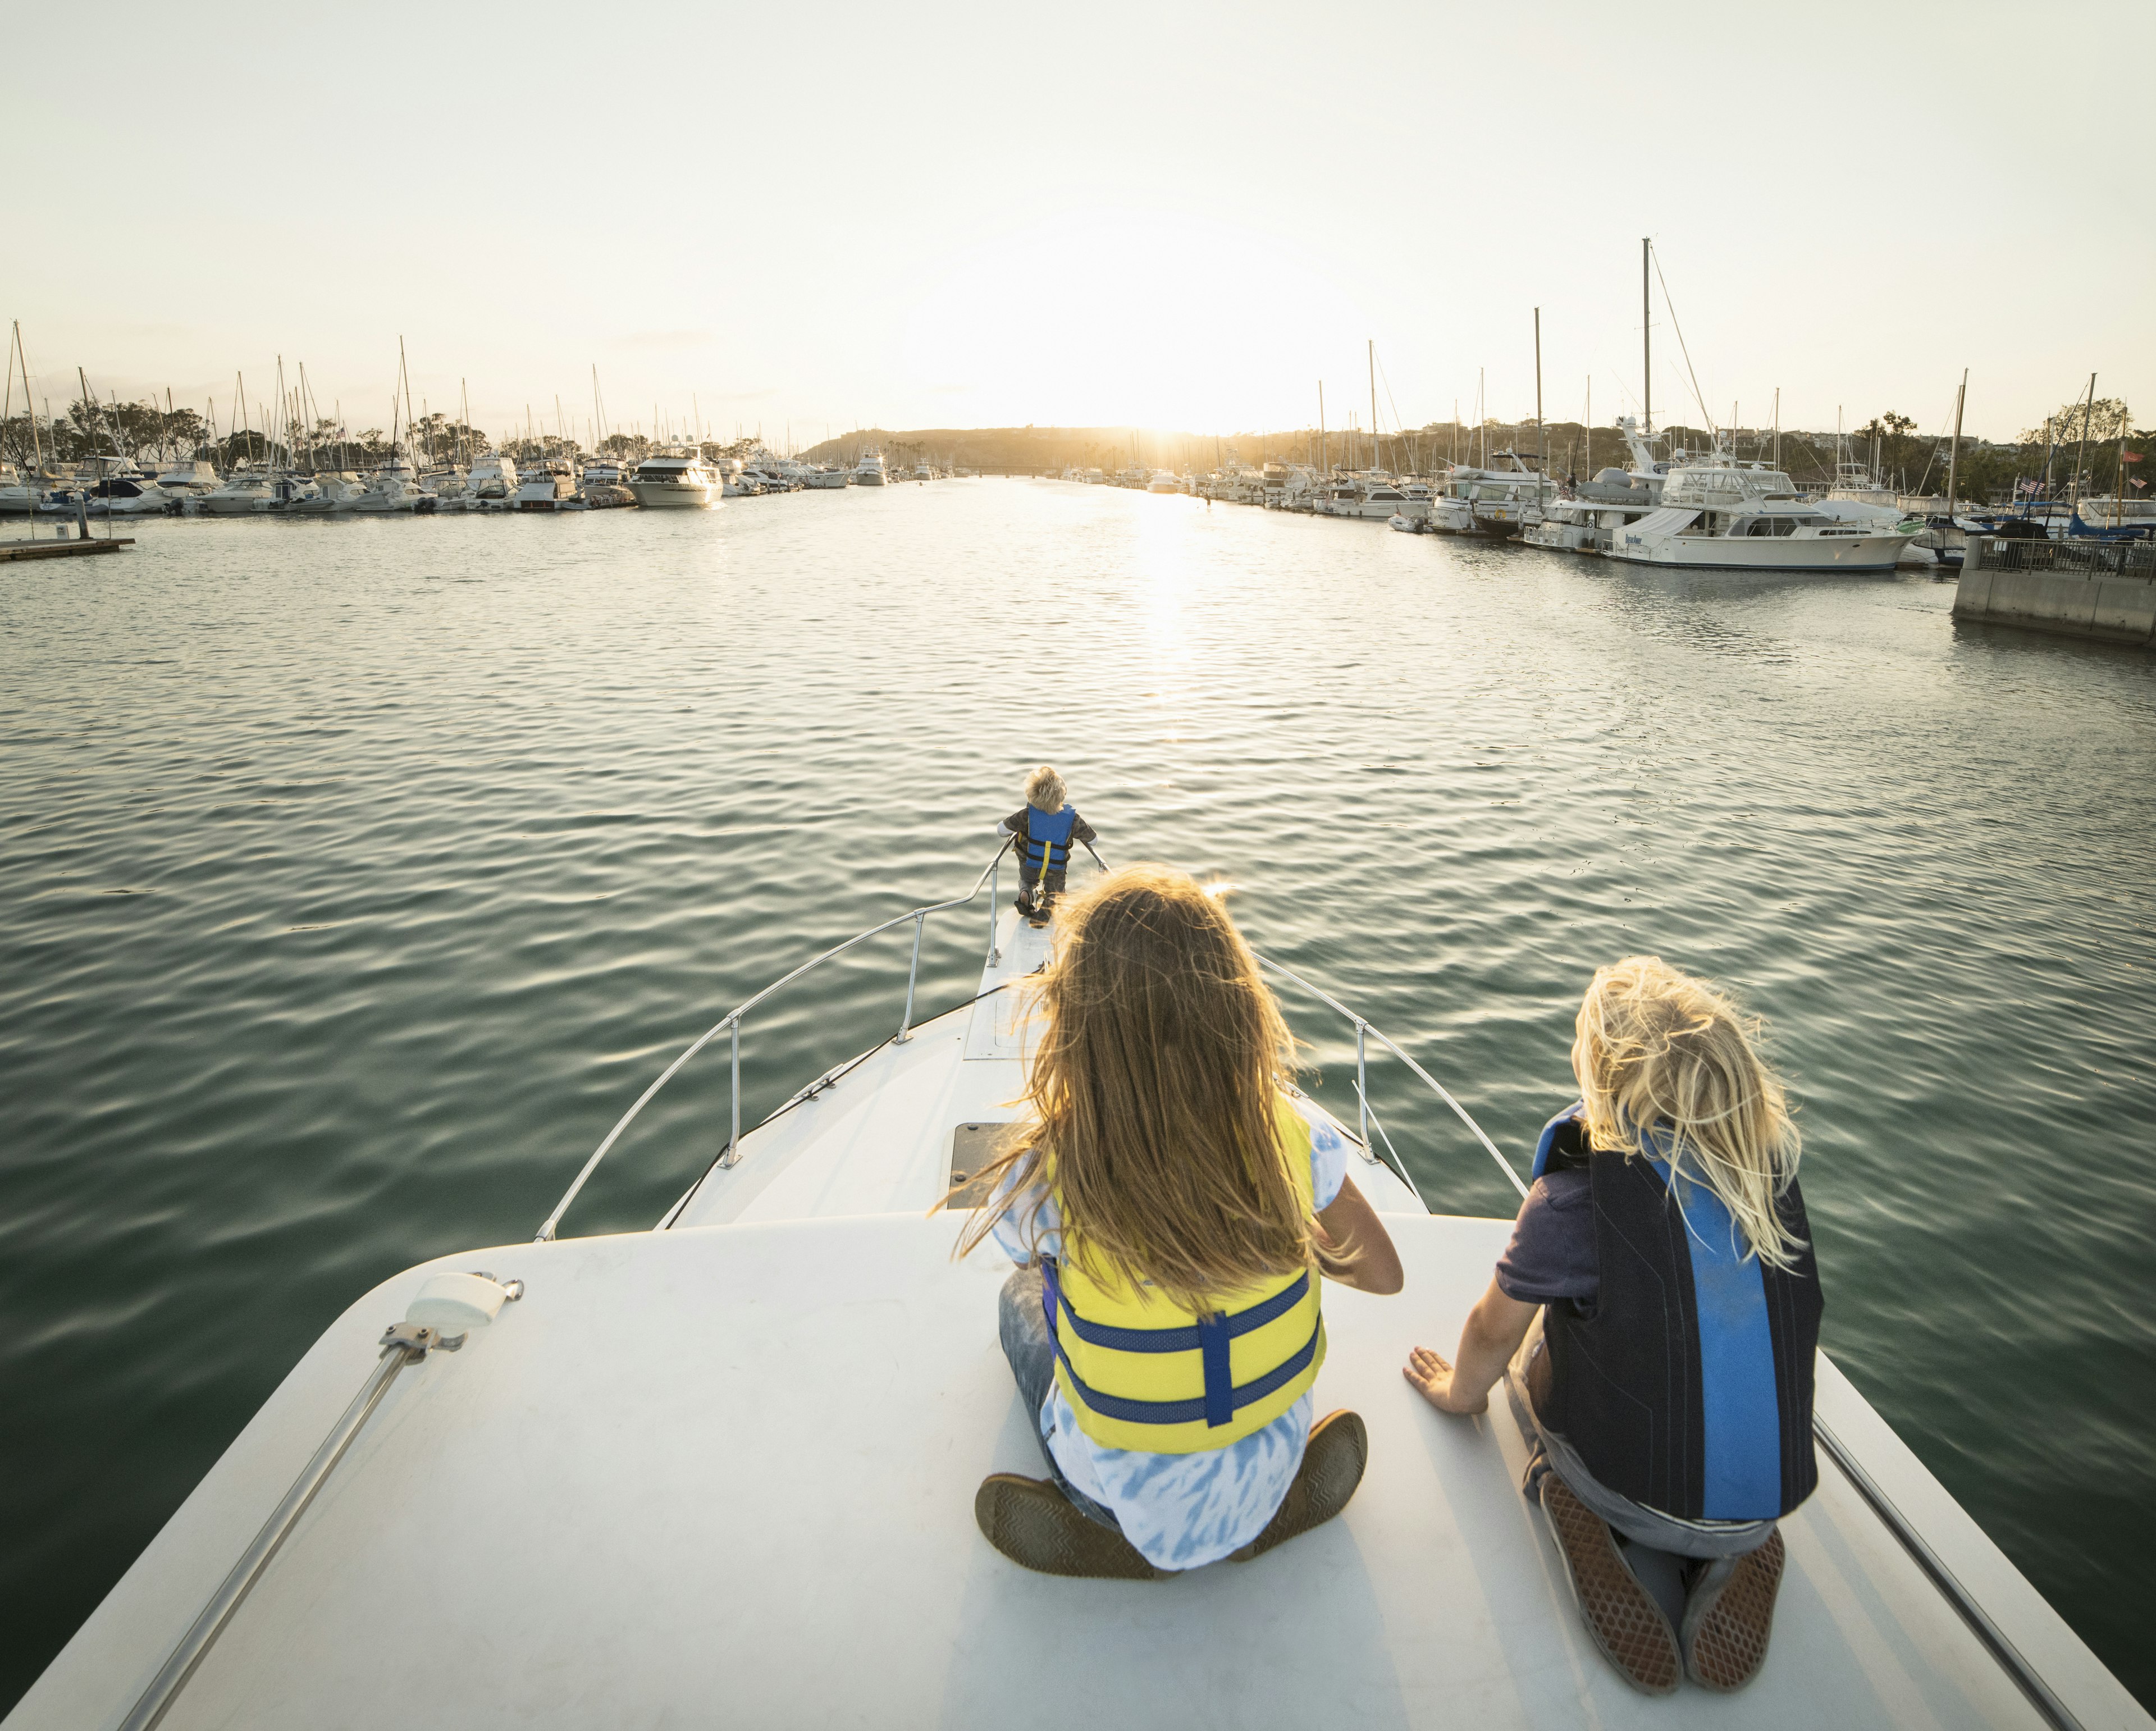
(16, 499)
(243, 492)
(492, 477)
(1571, 523)
(870, 471)
(629, 1470)
(333, 492)
(1507, 494)
(119, 495)
(188, 478)
(391, 489)
(1367, 496)
(1724, 515)
(676, 480)
(545, 484)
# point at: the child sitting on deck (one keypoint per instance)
(1047, 827)
(1654, 1318)
(1173, 1210)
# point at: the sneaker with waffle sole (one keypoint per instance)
(1619, 1613)
(1333, 1463)
(1039, 1528)
(1729, 1614)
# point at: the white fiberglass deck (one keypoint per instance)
(723, 1474)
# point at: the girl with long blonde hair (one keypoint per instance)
(1173, 1208)
(1655, 1316)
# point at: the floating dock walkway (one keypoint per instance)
(10, 550)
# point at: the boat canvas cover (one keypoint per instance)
(1664, 523)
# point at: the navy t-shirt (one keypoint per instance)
(1551, 1254)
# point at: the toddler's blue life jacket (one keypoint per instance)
(1048, 837)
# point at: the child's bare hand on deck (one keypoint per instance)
(1432, 1377)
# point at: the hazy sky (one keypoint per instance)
(915, 215)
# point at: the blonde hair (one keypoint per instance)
(1154, 1089)
(1044, 790)
(1658, 1051)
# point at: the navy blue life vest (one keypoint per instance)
(1686, 1384)
(1048, 837)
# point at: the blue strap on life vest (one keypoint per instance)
(1549, 1139)
(1048, 837)
(1743, 1473)
(1211, 1337)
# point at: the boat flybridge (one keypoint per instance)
(722, 1472)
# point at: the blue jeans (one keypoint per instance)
(1551, 1451)
(1023, 1326)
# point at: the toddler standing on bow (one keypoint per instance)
(1046, 826)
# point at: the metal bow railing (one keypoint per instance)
(732, 1022)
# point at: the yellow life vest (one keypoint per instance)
(1140, 1372)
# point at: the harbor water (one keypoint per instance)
(355, 876)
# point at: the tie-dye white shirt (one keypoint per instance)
(1181, 1511)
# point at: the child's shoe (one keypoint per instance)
(1619, 1613)
(1729, 1614)
(1333, 1463)
(1039, 1528)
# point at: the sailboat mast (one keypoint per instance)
(1373, 402)
(404, 380)
(1646, 338)
(30, 410)
(1778, 426)
(1953, 450)
(1542, 432)
(1320, 427)
(2080, 456)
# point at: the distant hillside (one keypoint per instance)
(1906, 459)
(1047, 450)
(1026, 450)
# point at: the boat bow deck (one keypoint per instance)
(726, 1475)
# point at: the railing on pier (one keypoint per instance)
(731, 1024)
(2072, 557)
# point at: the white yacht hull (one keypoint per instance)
(234, 505)
(1852, 555)
(1560, 538)
(676, 496)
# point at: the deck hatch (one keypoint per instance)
(972, 1145)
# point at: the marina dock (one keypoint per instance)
(10, 550)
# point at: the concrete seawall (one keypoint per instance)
(2043, 586)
